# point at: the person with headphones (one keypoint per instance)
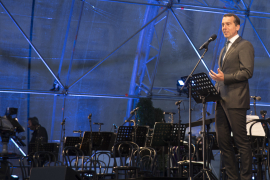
(40, 133)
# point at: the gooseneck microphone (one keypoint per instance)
(205, 45)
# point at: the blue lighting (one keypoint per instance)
(191, 43)
(260, 104)
(18, 146)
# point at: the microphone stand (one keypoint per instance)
(189, 121)
(91, 135)
(100, 124)
(254, 104)
(131, 115)
(135, 125)
(171, 118)
(63, 124)
(179, 125)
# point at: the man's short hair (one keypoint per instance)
(236, 18)
(34, 121)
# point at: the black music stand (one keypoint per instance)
(162, 134)
(101, 141)
(51, 148)
(72, 142)
(141, 132)
(48, 147)
(178, 131)
(125, 133)
(202, 91)
(175, 132)
(166, 134)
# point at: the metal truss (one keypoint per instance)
(239, 8)
(137, 85)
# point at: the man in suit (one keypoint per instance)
(236, 64)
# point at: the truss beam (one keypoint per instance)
(87, 95)
(201, 8)
(18, 26)
(102, 60)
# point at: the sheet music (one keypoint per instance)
(257, 129)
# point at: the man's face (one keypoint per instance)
(229, 28)
(30, 125)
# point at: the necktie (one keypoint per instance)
(224, 52)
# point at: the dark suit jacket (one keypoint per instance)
(39, 135)
(238, 65)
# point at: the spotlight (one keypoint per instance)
(180, 84)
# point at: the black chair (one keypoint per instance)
(25, 169)
(180, 162)
(37, 159)
(260, 149)
(77, 162)
(128, 154)
(100, 165)
(45, 158)
(148, 158)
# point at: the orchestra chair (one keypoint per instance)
(179, 161)
(24, 168)
(100, 161)
(77, 162)
(260, 149)
(148, 157)
(45, 158)
(128, 155)
(37, 159)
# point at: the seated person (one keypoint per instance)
(40, 134)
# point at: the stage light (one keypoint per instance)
(180, 84)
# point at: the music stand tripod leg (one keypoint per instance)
(205, 171)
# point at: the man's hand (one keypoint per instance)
(217, 77)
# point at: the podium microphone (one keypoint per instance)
(205, 45)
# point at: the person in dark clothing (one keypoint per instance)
(40, 133)
(236, 66)
(39, 137)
